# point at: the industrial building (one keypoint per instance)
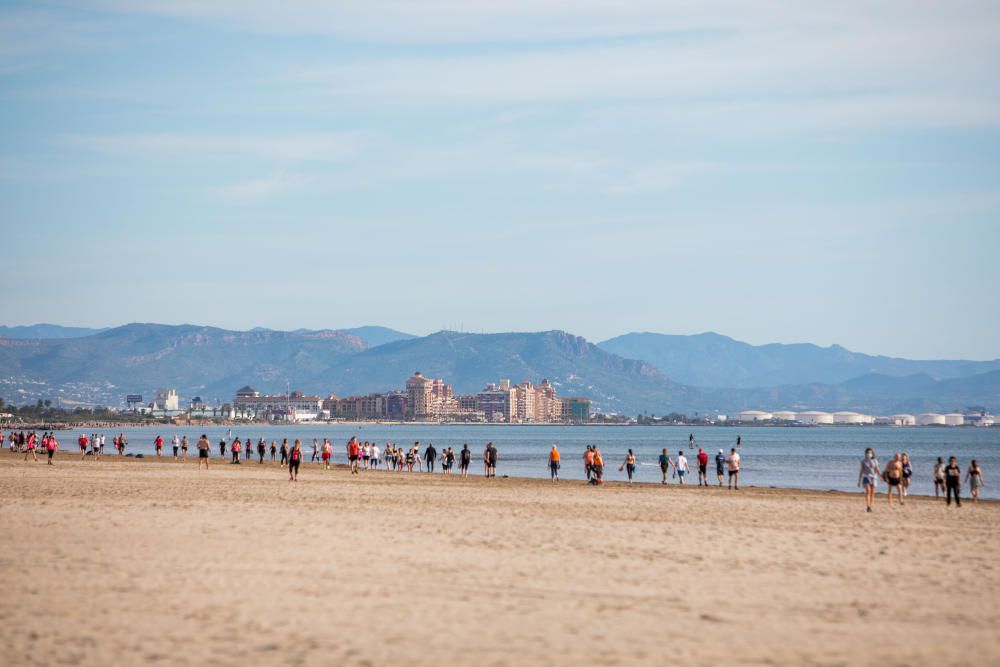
(815, 417)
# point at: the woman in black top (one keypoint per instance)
(953, 481)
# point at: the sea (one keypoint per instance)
(821, 458)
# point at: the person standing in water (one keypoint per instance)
(588, 462)
(554, 463)
(203, 446)
(597, 467)
(702, 467)
(868, 477)
(720, 465)
(261, 450)
(739, 441)
(176, 443)
(327, 453)
(953, 481)
(430, 454)
(465, 460)
(492, 457)
(939, 478)
(974, 475)
(665, 464)
(681, 467)
(629, 465)
(894, 478)
(294, 459)
(733, 461)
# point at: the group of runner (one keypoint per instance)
(899, 471)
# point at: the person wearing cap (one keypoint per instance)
(720, 465)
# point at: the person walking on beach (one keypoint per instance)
(184, 448)
(665, 465)
(554, 463)
(868, 477)
(465, 459)
(315, 452)
(354, 453)
(327, 453)
(430, 455)
(376, 453)
(30, 444)
(894, 478)
(261, 450)
(953, 481)
(122, 442)
(203, 446)
(702, 467)
(907, 473)
(681, 467)
(222, 447)
(939, 478)
(628, 465)
(176, 443)
(597, 467)
(82, 442)
(294, 459)
(284, 451)
(492, 456)
(720, 465)
(588, 462)
(158, 444)
(274, 450)
(974, 475)
(97, 444)
(733, 461)
(51, 445)
(237, 446)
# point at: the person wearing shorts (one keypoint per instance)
(681, 468)
(82, 442)
(184, 448)
(51, 445)
(868, 477)
(464, 459)
(327, 453)
(203, 446)
(353, 454)
(720, 465)
(734, 469)
(158, 443)
(894, 478)
(702, 467)
(294, 459)
(664, 465)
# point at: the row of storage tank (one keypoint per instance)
(814, 417)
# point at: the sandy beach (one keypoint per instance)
(125, 561)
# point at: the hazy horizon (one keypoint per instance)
(825, 174)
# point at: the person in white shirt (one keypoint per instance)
(681, 467)
(733, 462)
(176, 442)
(315, 454)
(375, 453)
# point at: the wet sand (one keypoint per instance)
(143, 561)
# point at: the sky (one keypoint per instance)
(776, 172)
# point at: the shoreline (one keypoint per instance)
(68, 457)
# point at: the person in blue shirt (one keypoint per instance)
(720, 465)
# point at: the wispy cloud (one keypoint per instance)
(275, 185)
(318, 147)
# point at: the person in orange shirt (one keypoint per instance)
(588, 462)
(598, 466)
(554, 463)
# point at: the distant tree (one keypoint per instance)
(1, 403)
(48, 403)
(40, 404)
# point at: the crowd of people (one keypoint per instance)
(899, 471)
(365, 456)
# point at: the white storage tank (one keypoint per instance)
(904, 420)
(851, 418)
(752, 416)
(930, 419)
(784, 416)
(814, 417)
(954, 419)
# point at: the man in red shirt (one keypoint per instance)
(82, 441)
(702, 467)
(159, 444)
(353, 454)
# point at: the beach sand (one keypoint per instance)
(119, 562)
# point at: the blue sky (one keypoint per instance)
(777, 174)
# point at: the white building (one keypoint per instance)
(930, 419)
(814, 417)
(852, 418)
(904, 420)
(980, 419)
(752, 416)
(249, 404)
(784, 416)
(954, 419)
(166, 399)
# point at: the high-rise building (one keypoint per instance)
(429, 398)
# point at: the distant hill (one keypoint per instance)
(375, 335)
(212, 363)
(46, 332)
(713, 360)
(469, 361)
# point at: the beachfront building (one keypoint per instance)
(814, 418)
(954, 419)
(166, 400)
(930, 419)
(496, 401)
(852, 418)
(295, 406)
(784, 416)
(751, 416)
(429, 398)
(574, 409)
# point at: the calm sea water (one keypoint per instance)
(812, 458)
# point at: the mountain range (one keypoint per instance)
(634, 373)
